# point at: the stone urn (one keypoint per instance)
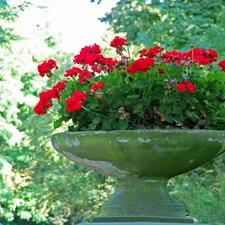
(142, 161)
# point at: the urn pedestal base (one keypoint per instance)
(142, 200)
(136, 219)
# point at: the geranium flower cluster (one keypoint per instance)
(118, 43)
(186, 85)
(92, 56)
(45, 98)
(159, 87)
(196, 55)
(75, 101)
(46, 67)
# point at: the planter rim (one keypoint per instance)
(145, 130)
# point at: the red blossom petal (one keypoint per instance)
(181, 87)
(191, 88)
(41, 107)
(46, 67)
(75, 101)
(72, 72)
(97, 86)
(84, 76)
(161, 71)
(222, 65)
(141, 65)
(151, 52)
(118, 43)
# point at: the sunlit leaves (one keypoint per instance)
(198, 23)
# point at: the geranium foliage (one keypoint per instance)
(159, 89)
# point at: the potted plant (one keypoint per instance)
(141, 121)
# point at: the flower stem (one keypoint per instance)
(74, 82)
(96, 113)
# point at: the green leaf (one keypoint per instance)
(216, 76)
(138, 106)
(106, 125)
(94, 105)
(123, 124)
(66, 113)
(96, 120)
(58, 123)
(133, 96)
(92, 126)
(71, 128)
(222, 113)
(192, 116)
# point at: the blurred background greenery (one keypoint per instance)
(38, 186)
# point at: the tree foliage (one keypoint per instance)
(8, 15)
(171, 24)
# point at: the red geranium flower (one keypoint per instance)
(141, 65)
(95, 69)
(181, 87)
(85, 53)
(107, 64)
(151, 52)
(186, 85)
(45, 102)
(201, 60)
(75, 101)
(161, 71)
(41, 108)
(45, 98)
(72, 72)
(58, 88)
(118, 43)
(202, 56)
(190, 86)
(97, 86)
(84, 76)
(47, 95)
(173, 57)
(222, 65)
(46, 67)
(211, 55)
